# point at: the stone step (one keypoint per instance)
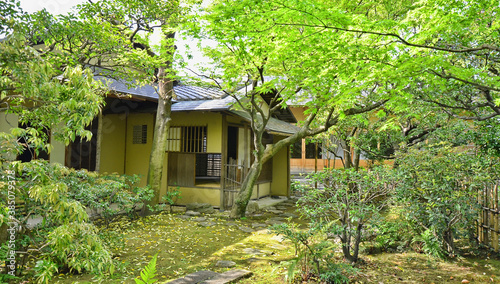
(210, 277)
(196, 277)
(230, 276)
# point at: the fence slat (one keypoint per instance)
(489, 218)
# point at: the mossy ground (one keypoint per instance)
(183, 247)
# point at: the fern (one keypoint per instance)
(148, 273)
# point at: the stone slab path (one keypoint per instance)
(210, 277)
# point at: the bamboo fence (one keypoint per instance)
(489, 219)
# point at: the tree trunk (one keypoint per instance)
(162, 125)
(448, 242)
(240, 204)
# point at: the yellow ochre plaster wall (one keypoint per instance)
(137, 155)
(198, 195)
(279, 185)
(113, 143)
(261, 190)
(58, 151)
(213, 121)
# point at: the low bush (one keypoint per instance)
(62, 239)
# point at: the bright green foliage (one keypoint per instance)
(487, 137)
(438, 190)
(44, 94)
(314, 255)
(43, 97)
(78, 247)
(99, 192)
(349, 200)
(64, 236)
(428, 243)
(148, 273)
(45, 269)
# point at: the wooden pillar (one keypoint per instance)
(288, 182)
(316, 162)
(495, 216)
(98, 142)
(303, 155)
(223, 162)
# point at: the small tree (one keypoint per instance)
(113, 36)
(348, 201)
(438, 189)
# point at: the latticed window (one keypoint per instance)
(313, 148)
(188, 139)
(140, 134)
(296, 150)
(208, 165)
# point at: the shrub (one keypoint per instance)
(314, 255)
(347, 202)
(438, 189)
(64, 239)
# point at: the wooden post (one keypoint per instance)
(316, 162)
(223, 162)
(288, 182)
(486, 215)
(495, 217)
(99, 142)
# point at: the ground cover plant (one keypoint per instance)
(53, 231)
(184, 246)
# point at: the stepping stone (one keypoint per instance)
(200, 219)
(230, 276)
(246, 229)
(230, 224)
(273, 222)
(178, 209)
(184, 217)
(275, 211)
(277, 218)
(270, 208)
(225, 263)
(207, 224)
(192, 213)
(195, 277)
(289, 215)
(258, 225)
(200, 207)
(281, 207)
(223, 214)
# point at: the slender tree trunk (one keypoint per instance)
(356, 158)
(240, 204)
(448, 244)
(162, 125)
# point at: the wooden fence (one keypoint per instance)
(234, 175)
(489, 219)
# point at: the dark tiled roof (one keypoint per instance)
(148, 92)
(274, 126)
(191, 93)
(129, 88)
(194, 98)
(204, 105)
